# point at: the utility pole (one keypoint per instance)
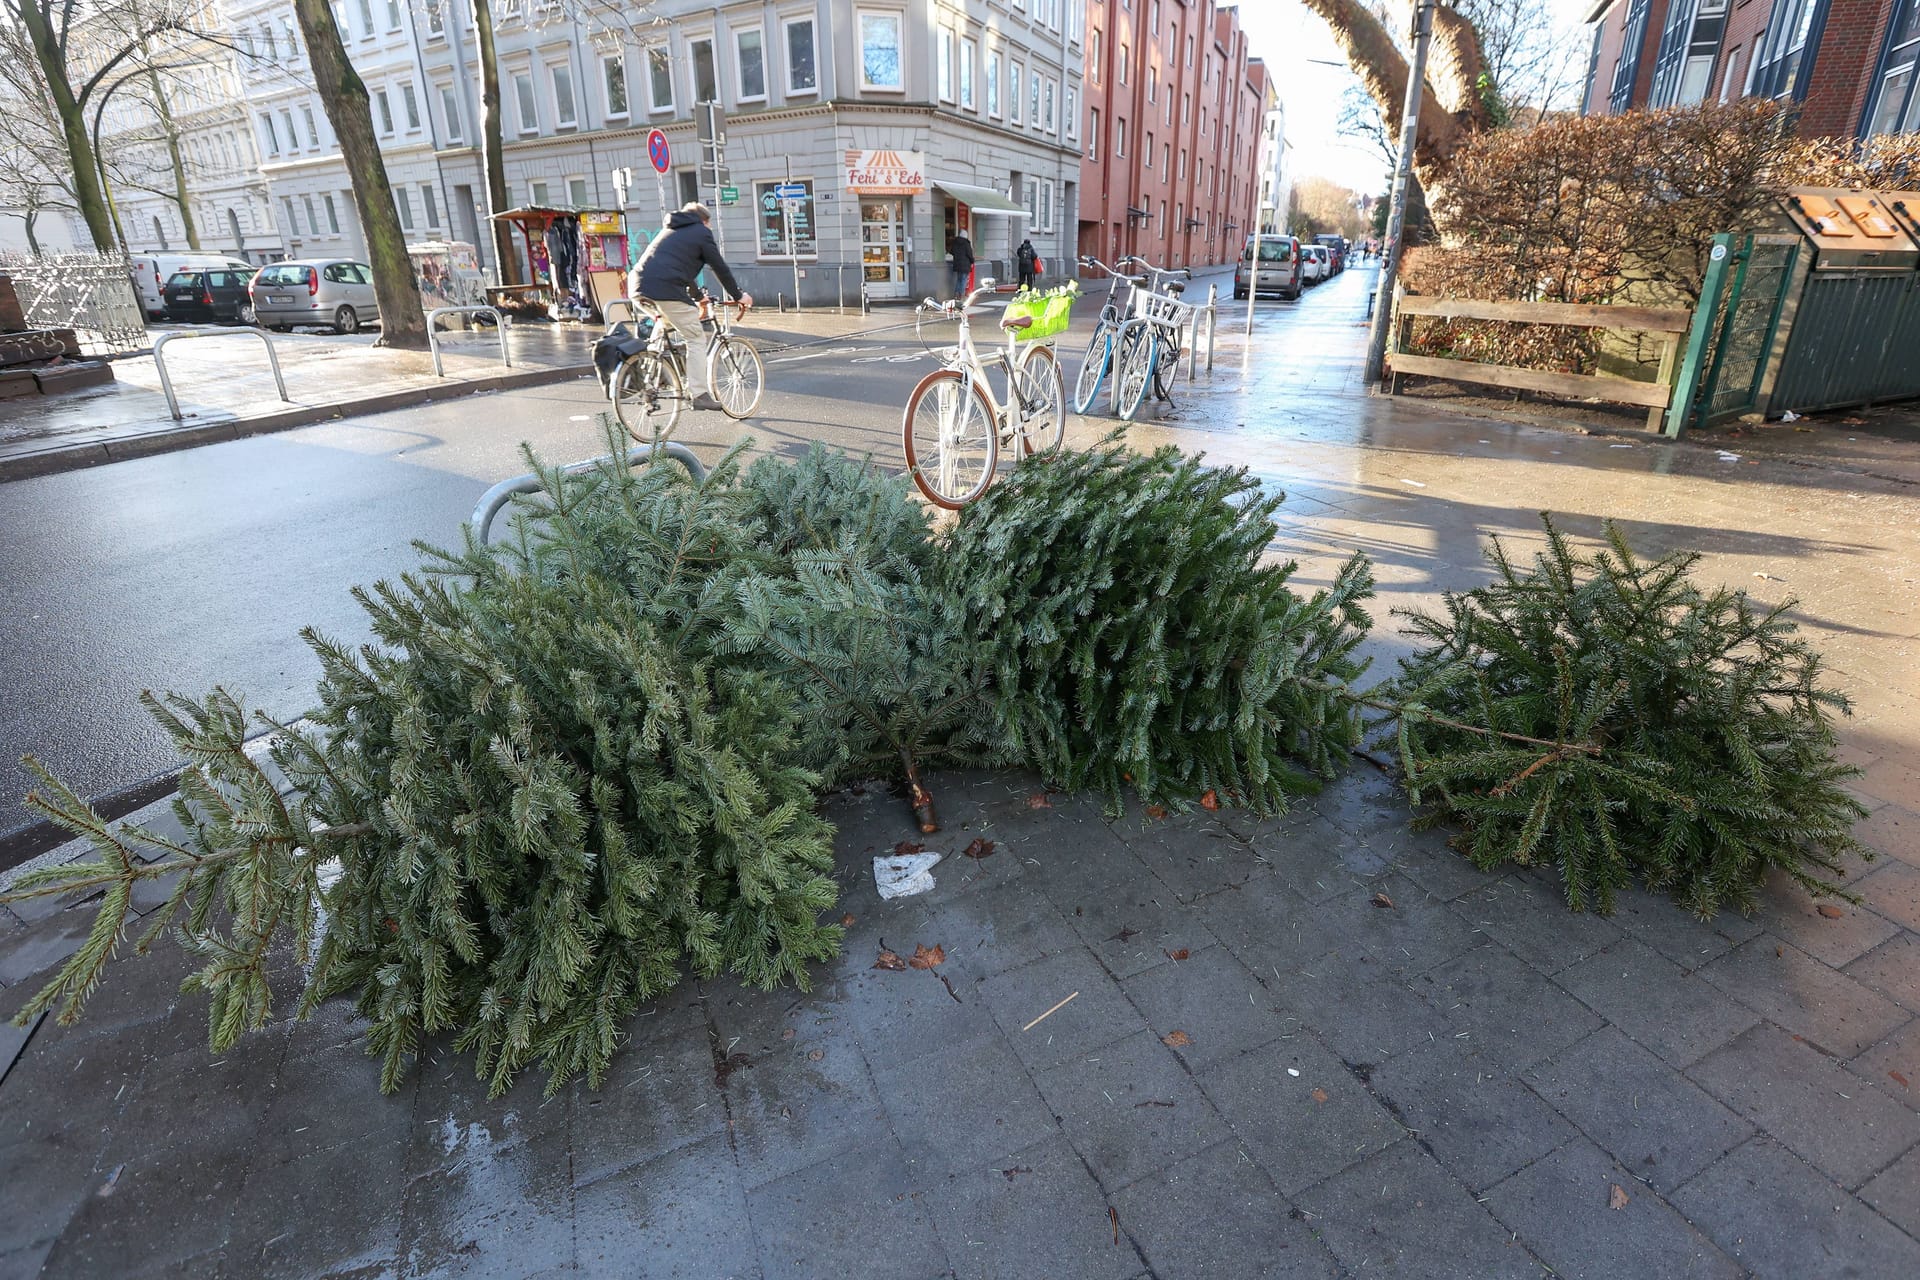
(1397, 207)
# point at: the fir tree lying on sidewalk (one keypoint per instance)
(588, 759)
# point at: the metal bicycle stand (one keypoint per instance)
(166, 383)
(433, 333)
(497, 497)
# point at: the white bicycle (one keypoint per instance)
(955, 426)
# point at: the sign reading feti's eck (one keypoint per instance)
(886, 173)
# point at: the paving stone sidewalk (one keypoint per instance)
(1260, 1069)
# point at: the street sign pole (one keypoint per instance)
(793, 247)
(1397, 209)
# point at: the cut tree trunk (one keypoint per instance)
(493, 148)
(402, 319)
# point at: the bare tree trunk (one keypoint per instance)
(1450, 111)
(28, 217)
(73, 126)
(344, 95)
(172, 136)
(492, 145)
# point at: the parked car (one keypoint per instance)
(151, 271)
(1336, 247)
(329, 291)
(1314, 264)
(1279, 270)
(199, 296)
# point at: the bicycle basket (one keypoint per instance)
(1051, 311)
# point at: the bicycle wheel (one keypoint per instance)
(951, 441)
(1093, 368)
(1041, 390)
(736, 376)
(1134, 367)
(648, 396)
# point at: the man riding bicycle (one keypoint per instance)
(663, 282)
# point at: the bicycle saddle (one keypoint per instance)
(1017, 322)
(1175, 288)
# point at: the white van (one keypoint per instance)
(151, 271)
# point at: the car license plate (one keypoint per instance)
(277, 301)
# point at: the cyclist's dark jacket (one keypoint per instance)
(672, 262)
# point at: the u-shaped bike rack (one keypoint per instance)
(166, 383)
(433, 332)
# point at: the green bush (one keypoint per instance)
(1649, 728)
(1136, 639)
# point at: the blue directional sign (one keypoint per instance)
(790, 191)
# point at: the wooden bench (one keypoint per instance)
(1655, 396)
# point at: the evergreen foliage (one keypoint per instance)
(1607, 716)
(1136, 639)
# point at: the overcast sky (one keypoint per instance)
(1297, 45)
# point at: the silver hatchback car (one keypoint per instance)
(329, 291)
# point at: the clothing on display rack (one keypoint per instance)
(563, 252)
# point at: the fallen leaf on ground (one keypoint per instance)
(1830, 911)
(1181, 954)
(1381, 900)
(906, 847)
(1011, 1174)
(925, 957)
(846, 921)
(1899, 1079)
(787, 1034)
(1176, 1039)
(888, 960)
(816, 1054)
(980, 849)
(1156, 811)
(1616, 1196)
(1209, 800)
(1113, 1216)
(1125, 935)
(1319, 1095)
(1152, 1102)
(1038, 800)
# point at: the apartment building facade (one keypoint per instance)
(1849, 66)
(1276, 167)
(1176, 109)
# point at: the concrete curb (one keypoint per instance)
(78, 454)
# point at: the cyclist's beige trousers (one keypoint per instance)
(685, 319)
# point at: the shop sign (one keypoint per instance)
(886, 173)
(600, 224)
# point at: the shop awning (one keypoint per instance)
(984, 201)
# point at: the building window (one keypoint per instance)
(1146, 154)
(523, 97)
(270, 51)
(313, 129)
(436, 19)
(1093, 55)
(288, 38)
(272, 136)
(968, 51)
(1689, 42)
(366, 19)
(689, 185)
(393, 15)
(706, 81)
(1013, 90)
(1120, 138)
(801, 74)
(411, 105)
(403, 201)
(564, 116)
(943, 66)
(1093, 134)
(1046, 205)
(880, 65)
(613, 73)
(772, 215)
(1053, 119)
(431, 205)
(1627, 69)
(1894, 107)
(293, 138)
(313, 223)
(1784, 64)
(1189, 50)
(993, 83)
(333, 213)
(750, 56)
(450, 109)
(286, 202)
(1121, 69)
(1073, 114)
(577, 192)
(1033, 106)
(659, 79)
(1153, 84)
(537, 194)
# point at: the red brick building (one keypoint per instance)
(1173, 116)
(1849, 65)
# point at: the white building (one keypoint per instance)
(1276, 167)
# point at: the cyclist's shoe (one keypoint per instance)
(705, 401)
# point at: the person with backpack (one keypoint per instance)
(661, 283)
(1028, 260)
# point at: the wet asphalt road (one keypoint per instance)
(198, 568)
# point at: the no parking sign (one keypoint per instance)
(658, 153)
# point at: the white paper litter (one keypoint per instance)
(1789, 416)
(905, 874)
(1729, 457)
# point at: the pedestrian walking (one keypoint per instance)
(1028, 259)
(960, 262)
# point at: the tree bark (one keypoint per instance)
(172, 136)
(1451, 108)
(493, 146)
(344, 95)
(73, 125)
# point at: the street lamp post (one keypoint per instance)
(1397, 208)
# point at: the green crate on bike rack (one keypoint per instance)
(1051, 312)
